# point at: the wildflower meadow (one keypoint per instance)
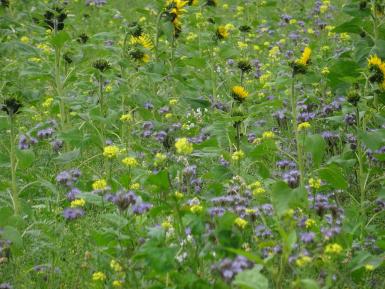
(192, 144)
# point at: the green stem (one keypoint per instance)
(59, 86)
(296, 132)
(15, 194)
(157, 34)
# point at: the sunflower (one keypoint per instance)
(144, 40)
(239, 93)
(222, 32)
(305, 57)
(175, 8)
(377, 69)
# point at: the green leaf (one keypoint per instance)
(5, 213)
(59, 39)
(160, 180)
(10, 233)
(117, 220)
(373, 139)
(68, 156)
(315, 144)
(351, 26)
(284, 197)
(252, 279)
(333, 175)
(309, 284)
(25, 158)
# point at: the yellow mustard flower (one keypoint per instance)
(183, 146)
(127, 117)
(78, 203)
(99, 276)
(309, 223)
(237, 155)
(303, 126)
(241, 223)
(116, 266)
(333, 248)
(302, 261)
(314, 183)
(130, 162)
(111, 151)
(99, 185)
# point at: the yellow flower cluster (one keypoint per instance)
(116, 266)
(159, 158)
(268, 135)
(78, 203)
(111, 151)
(99, 185)
(314, 183)
(302, 261)
(309, 223)
(333, 248)
(183, 146)
(303, 126)
(237, 155)
(126, 117)
(130, 162)
(48, 102)
(99, 276)
(223, 32)
(257, 188)
(166, 225)
(241, 223)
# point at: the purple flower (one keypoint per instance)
(124, 199)
(71, 195)
(230, 268)
(141, 208)
(291, 178)
(73, 213)
(307, 237)
(6, 286)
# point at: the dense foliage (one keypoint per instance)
(192, 144)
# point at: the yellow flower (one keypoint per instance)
(183, 146)
(222, 32)
(166, 225)
(303, 125)
(375, 63)
(110, 151)
(273, 53)
(241, 223)
(78, 203)
(24, 39)
(116, 266)
(44, 47)
(237, 155)
(117, 283)
(135, 186)
(126, 117)
(333, 248)
(315, 183)
(178, 195)
(99, 276)
(325, 71)
(48, 102)
(309, 223)
(191, 36)
(168, 115)
(268, 135)
(173, 101)
(160, 158)
(146, 58)
(239, 93)
(130, 162)
(99, 185)
(144, 40)
(196, 209)
(369, 267)
(302, 261)
(258, 191)
(305, 57)
(242, 45)
(293, 21)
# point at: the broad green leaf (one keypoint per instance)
(25, 158)
(251, 279)
(59, 39)
(333, 175)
